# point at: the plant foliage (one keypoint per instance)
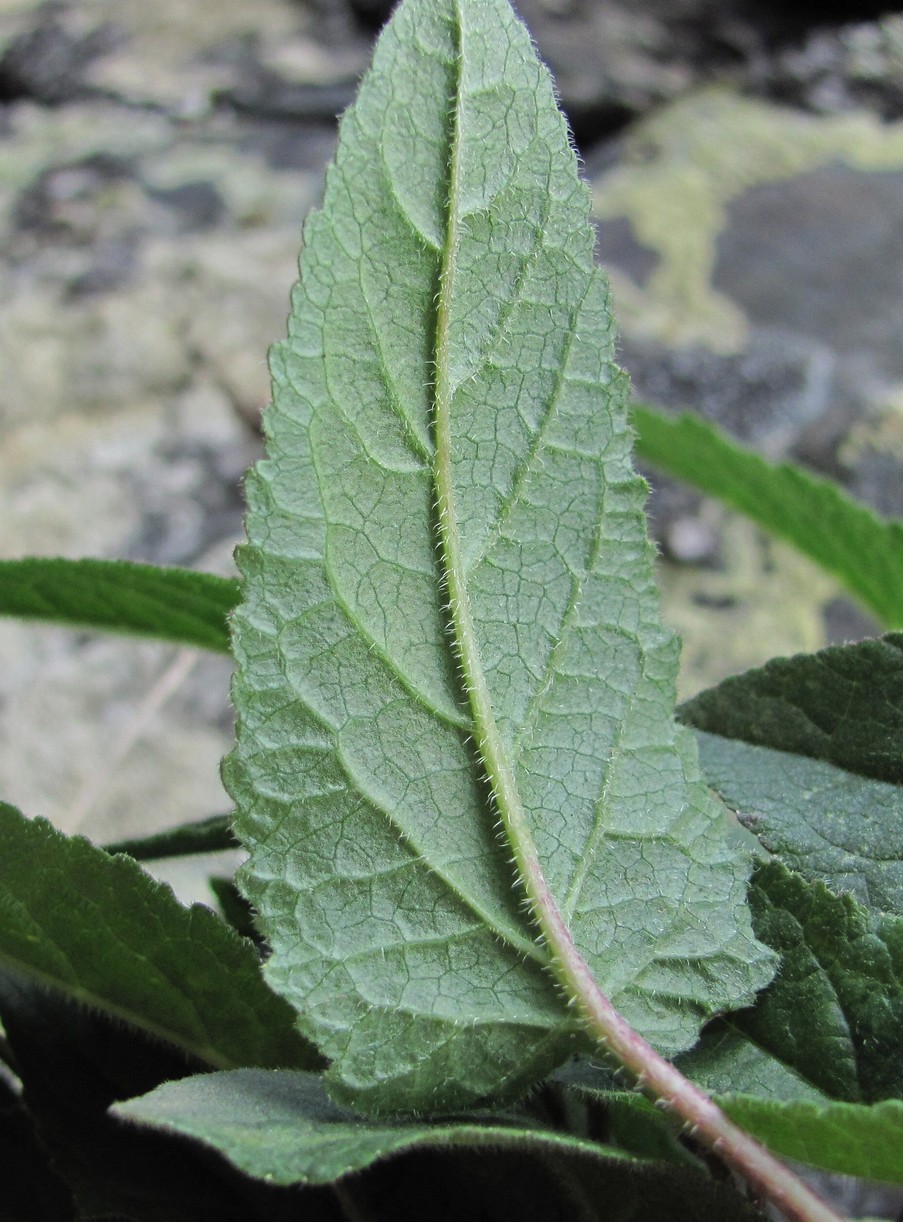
(176, 605)
(402, 691)
(472, 822)
(99, 931)
(864, 552)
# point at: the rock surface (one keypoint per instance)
(150, 236)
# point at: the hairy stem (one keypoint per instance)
(767, 1175)
(771, 1178)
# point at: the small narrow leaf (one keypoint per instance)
(210, 835)
(628, 1119)
(864, 552)
(177, 605)
(450, 622)
(99, 931)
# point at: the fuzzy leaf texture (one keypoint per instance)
(848, 1138)
(450, 344)
(835, 1012)
(98, 931)
(283, 1128)
(282, 1125)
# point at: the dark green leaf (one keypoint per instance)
(99, 931)
(627, 1120)
(208, 835)
(236, 910)
(834, 1013)
(176, 605)
(823, 822)
(285, 1128)
(828, 1029)
(725, 1060)
(449, 364)
(843, 705)
(74, 1063)
(863, 552)
(809, 752)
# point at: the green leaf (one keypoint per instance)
(450, 620)
(844, 1137)
(725, 1061)
(793, 748)
(176, 605)
(849, 1138)
(834, 1013)
(629, 1120)
(74, 1063)
(283, 1126)
(864, 552)
(831, 1024)
(101, 932)
(843, 705)
(235, 909)
(827, 824)
(210, 835)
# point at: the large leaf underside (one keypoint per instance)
(384, 884)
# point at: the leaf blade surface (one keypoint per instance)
(807, 750)
(99, 931)
(828, 824)
(167, 604)
(283, 1127)
(448, 583)
(843, 705)
(833, 1016)
(848, 1138)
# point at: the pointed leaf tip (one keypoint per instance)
(449, 367)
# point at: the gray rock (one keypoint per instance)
(851, 67)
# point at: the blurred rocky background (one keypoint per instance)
(156, 162)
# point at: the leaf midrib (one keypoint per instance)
(498, 763)
(488, 740)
